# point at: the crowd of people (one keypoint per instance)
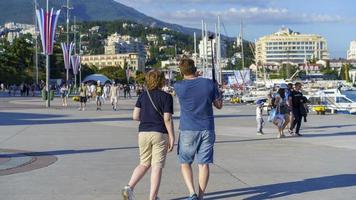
(23, 89)
(286, 109)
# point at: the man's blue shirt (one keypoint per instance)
(196, 97)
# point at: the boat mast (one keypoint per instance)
(242, 46)
(218, 51)
(203, 47)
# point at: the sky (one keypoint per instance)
(333, 19)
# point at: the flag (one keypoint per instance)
(75, 63)
(47, 23)
(67, 51)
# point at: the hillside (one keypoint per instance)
(21, 11)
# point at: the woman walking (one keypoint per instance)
(280, 104)
(64, 95)
(154, 109)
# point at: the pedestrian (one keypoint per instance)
(304, 108)
(98, 95)
(154, 109)
(196, 130)
(281, 118)
(259, 117)
(106, 91)
(114, 92)
(64, 94)
(83, 91)
(296, 100)
(288, 93)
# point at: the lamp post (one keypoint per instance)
(47, 21)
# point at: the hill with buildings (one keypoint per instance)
(21, 11)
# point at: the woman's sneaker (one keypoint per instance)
(193, 197)
(127, 193)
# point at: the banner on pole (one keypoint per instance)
(67, 52)
(75, 63)
(47, 23)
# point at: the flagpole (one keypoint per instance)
(67, 35)
(47, 72)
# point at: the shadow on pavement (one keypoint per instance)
(285, 189)
(330, 134)
(15, 118)
(62, 152)
(331, 126)
(10, 119)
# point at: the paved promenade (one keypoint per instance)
(65, 154)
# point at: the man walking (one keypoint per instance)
(98, 95)
(114, 91)
(196, 130)
(296, 100)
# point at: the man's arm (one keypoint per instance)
(136, 114)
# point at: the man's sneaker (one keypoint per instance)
(193, 197)
(298, 134)
(127, 193)
(259, 133)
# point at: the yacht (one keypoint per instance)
(334, 101)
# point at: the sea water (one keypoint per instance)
(351, 95)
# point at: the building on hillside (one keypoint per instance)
(167, 37)
(14, 30)
(152, 38)
(119, 44)
(170, 63)
(95, 29)
(287, 46)
(134, 61)
(351, 53)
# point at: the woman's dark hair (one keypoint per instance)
(282, 93)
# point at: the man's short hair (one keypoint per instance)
(154, 79)
(187, 66)
(298, 84)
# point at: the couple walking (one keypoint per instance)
(154, 109)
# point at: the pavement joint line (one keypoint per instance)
(14, 135)
(232, 175)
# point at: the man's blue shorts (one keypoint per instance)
(199, 143)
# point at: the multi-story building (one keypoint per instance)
(287, 46)
(133, 60)
(208, 48)
(351, 53)
(119, 44)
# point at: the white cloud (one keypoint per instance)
(143, 3)
(251, 15)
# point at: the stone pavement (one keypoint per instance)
(65, 154)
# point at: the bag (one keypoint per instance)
(272, 115)
(154, 106)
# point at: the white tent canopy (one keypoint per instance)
(96, 77)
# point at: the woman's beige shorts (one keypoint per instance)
(153, 148)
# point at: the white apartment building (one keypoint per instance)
(121, 44)
(351, 53)
(287, 46)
